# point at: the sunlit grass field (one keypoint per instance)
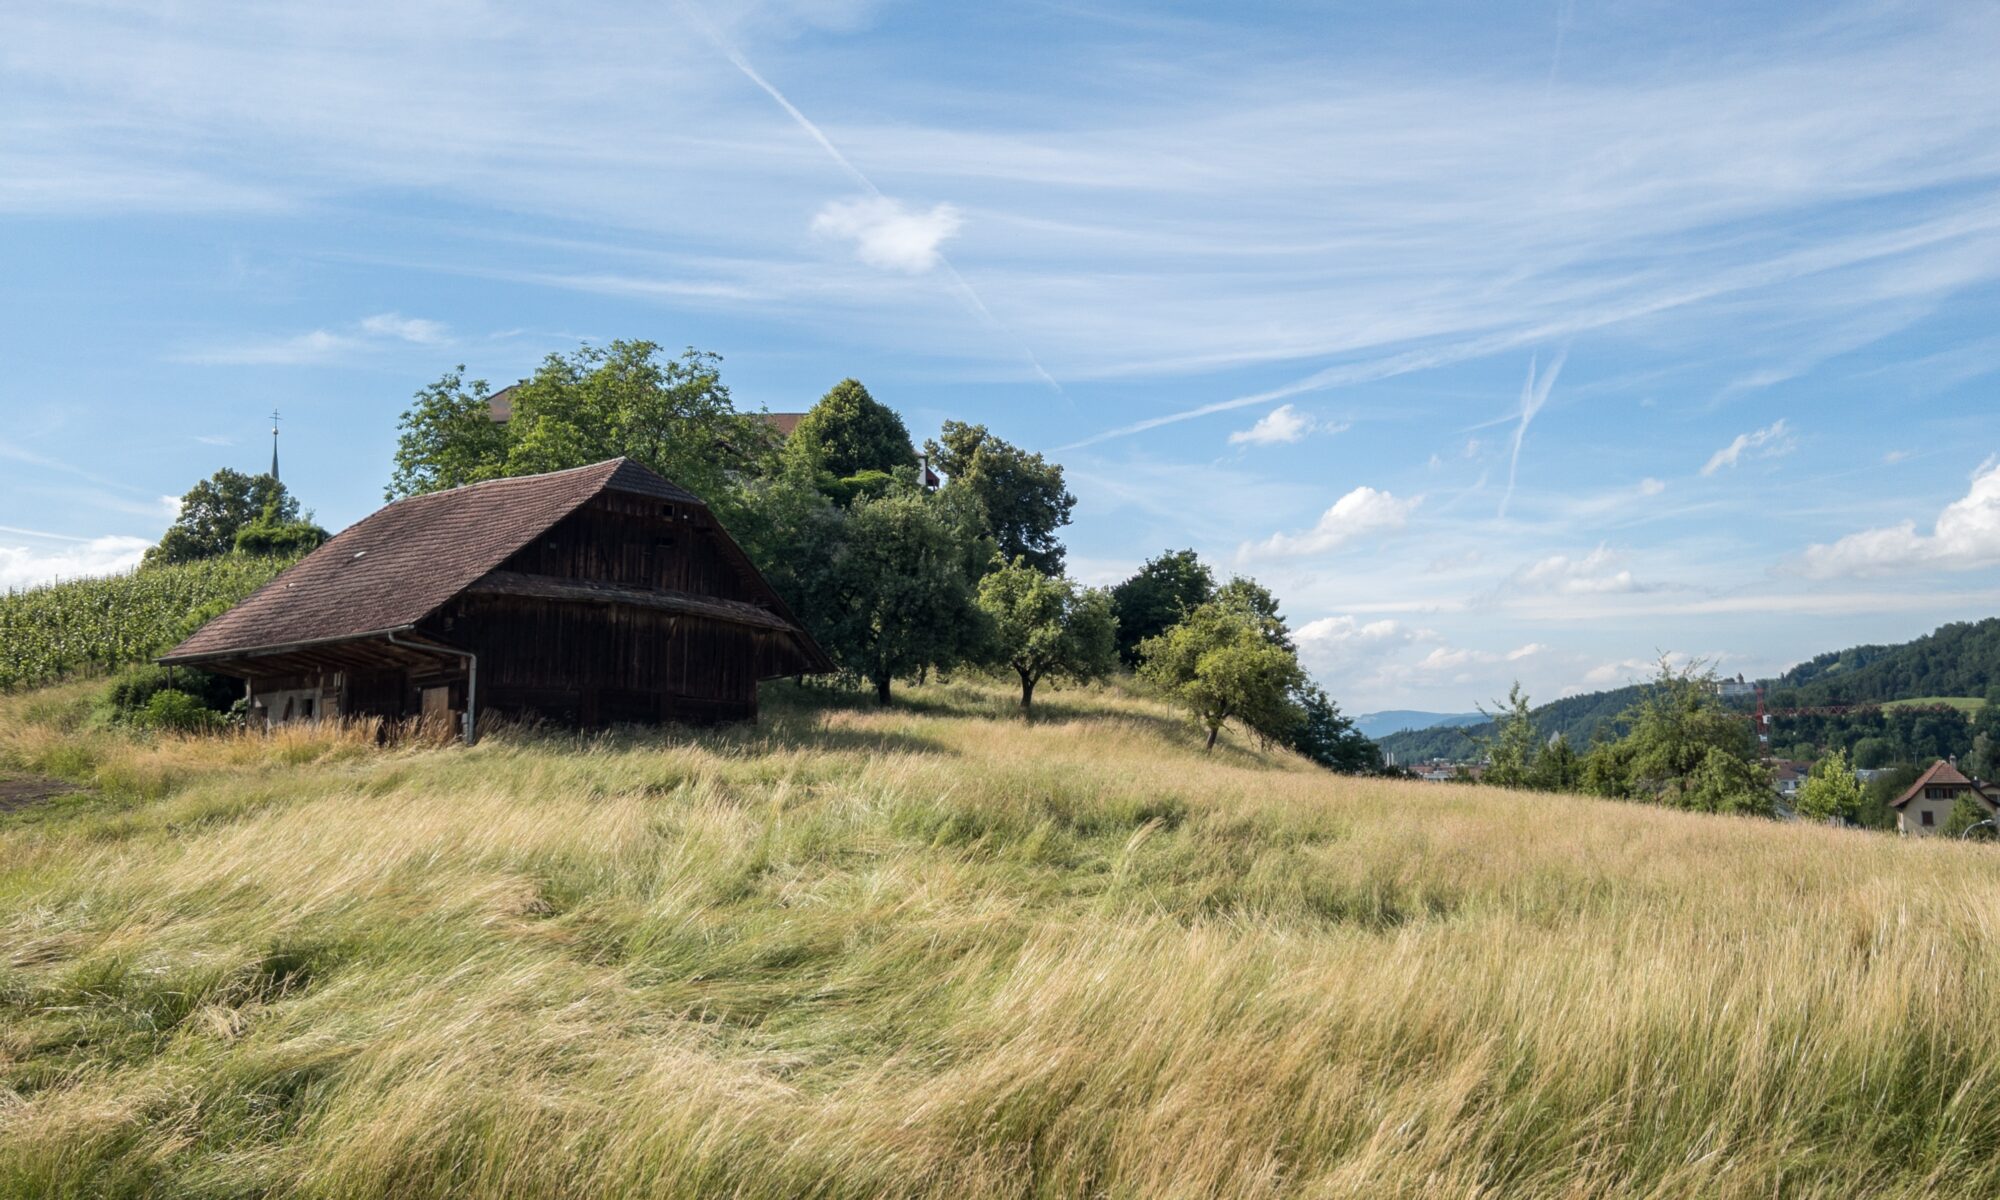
(938, 951)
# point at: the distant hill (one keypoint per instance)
(1396, 720)
(1579, 718)
(1953, 662)
(1961, 659)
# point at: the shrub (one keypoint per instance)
(176, 711)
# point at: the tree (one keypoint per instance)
(1512, 746)
(1023, 494)
(849, 432)
(448, 438)
(1688, 751)
(1965, 814)
(214, 510)
(1218, 665)
(1874, 753)
(624, 399)
(893, 593)
(1254, 598)
(1048, 628)
(1831, 792)
(1328, 736)
(271, 534)
(1163, 591)
(1558, 768)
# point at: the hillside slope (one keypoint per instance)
(1961, 659)
(1579, 718)
(934, 951)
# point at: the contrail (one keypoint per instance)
(813, 131)
(1534, 394)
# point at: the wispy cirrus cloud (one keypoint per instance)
(321, 347)
(1772, 441)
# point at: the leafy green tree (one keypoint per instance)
(1984, 761)
(1219, 666)
(1163, 591)
(271, 534)
(1831, 792)
(1607, 770)
(1874, 753)
(1688, 751)
(448, 438)
(1023, 494)
(849, 432)
(1512, 747)
(1047, 627)
(625, 399)
(1328, 737)
(214, 510)
(1558, 767)
(1965, 814)
(1254, 598)
(893, 594)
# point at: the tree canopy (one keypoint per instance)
(849, 432)
(215, 510)
(1219, 666)
(1045, 627)
(623, 399)
(1831, 792)
(1161, 593)
(1022, 493)
(890, 592)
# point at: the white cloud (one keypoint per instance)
(1651, 487)
(1450, 658)
(1769, 442)
(1965, 537)
(1534, 394)
(887, 234)
(409, 329)
(1281, 425)
(22, 567)
(1596, 573)
(1359, 513)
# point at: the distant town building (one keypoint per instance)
(1736, 689)
(1926, 806)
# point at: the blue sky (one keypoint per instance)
(1522, 341)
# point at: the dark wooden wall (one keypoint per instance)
(638, 542)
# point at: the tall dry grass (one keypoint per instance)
(940, 952)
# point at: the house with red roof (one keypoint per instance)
(1925, 807)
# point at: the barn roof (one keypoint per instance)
(396, 567)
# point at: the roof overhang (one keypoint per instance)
(371, 650)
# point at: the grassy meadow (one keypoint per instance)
(936, 951)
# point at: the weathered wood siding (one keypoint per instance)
(638, 542)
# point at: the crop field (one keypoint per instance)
(96, 624)
(938, 951)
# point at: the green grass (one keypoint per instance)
(96, 624)
(1969, 705)
(936, 951)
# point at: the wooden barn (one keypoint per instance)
(588, 596)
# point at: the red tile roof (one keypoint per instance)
(398, 566)
(784, 423)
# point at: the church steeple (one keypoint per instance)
(274, 443)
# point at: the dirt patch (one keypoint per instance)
(18, 793)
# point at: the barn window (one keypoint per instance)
(667, 511)
(1930, 818)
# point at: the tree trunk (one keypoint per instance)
(1212, 731)
(882, 690)
(1027, 690)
